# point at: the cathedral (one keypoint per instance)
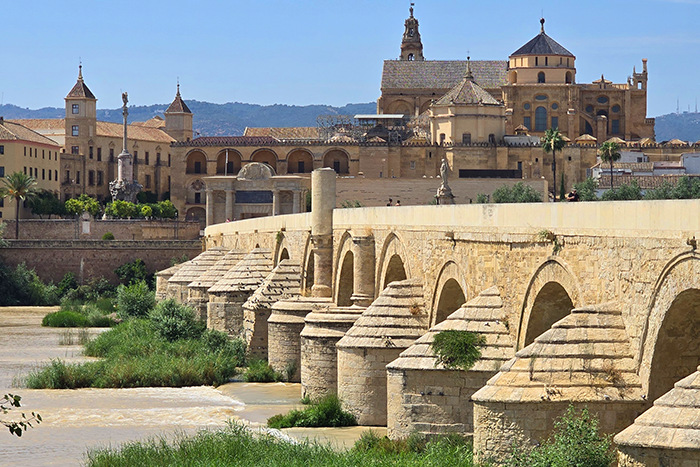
(536, 88)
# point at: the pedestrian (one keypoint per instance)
(572, 196)
(398, 202)
(390, 202)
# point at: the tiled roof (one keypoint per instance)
(283, 282)
(212, 275)
(247, 275)
(114, 130)
(191, 270)
(542, 44)
(178, 105)
(644, 182)
(467, 92)
(230, 141)
(634, 166)
(155, 122)
(304, 132)
(12, 131)
(586, 356)
(441, 74)
(80, 89)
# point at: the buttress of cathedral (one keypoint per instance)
(536, 86)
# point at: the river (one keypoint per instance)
(81, 419)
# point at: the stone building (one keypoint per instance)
(89, 147)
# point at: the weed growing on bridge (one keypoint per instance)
(549, 236)
(457, 349)
(259, 371)
(238, 446)
(327, 411)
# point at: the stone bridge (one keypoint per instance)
(594, 304)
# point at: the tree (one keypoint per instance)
(587, 189)
(45, 203)
(18, 186)
(609, 152)
(519, 193)
(553, 142)
(82, 203)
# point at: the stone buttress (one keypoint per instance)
(162, 278)
(227, 296)
(283, 282)
(585, 359)
(668, 434)
(387, 327)
(424, 396)
(198, 296)
(191, 270)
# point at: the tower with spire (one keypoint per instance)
(178, 119)
(411, 45)
(81, 116)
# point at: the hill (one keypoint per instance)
(684, 126)
(213, 119)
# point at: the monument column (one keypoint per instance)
(275, 202)
(363, 270)
(210, 207)
(322, 205)
(229, 204)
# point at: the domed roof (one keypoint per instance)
(255, 171)
(542, 44)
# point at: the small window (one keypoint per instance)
(55, 175)
(197, 167)
(25, 171)
(555, 122)
(100, 178)
(197, 198)
(136, 157)
(148, 181)
(111, 154)
(2, 149)
(589, 109)
(77, 177)
(168, 160)
(442, 138)
(527, 106)
(67, 176)
(91, 177)
(157, 158)
(537, 61)
(602, 100)
(546, 61)
(413, 165)
(410, 57)
(410, 32)
(540, 119)
(466, 138)
(99, 154)
(555, 106)
(49, 175)
(43, 174)
(75, 130)
(541, 97)
(527, 122)
(76, 108)
(75, 150)
(492, 139)
(90, 152)
(25, 151)
(615, 108)
(540, 77)
(147, 158)
(2, 171)
(615, 127)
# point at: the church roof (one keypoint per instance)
(303, 132)
(542, 44)
(80, 89)
(441, 74)
(155, 122)
(204, 141)
(467, 92)
(178, 105)
(57, 126)
(12, 131)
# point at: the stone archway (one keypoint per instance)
(400, 107)
(281, 248)
(393, 265)
(337, 160)
(307, 272)
(551, 294)
(448, 294)
(233, 165)
(300, 161)
(343, 265)
(671, 338)
(197, 214)
(266, 156)
(196, 162)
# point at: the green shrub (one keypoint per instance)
(135, 300)
(108, 236)
(132, 272)
(326, 412)
(625, 192)
(82, 203)
(458, 349)
(146, 211)
(575, 441)
(519, 193)
(481, 198)
(173, 321)
(67, 283)
(65, 319)
(587, 189)
(259, 371)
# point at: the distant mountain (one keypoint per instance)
(228, 119)
(684, 126)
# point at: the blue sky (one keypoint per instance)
(322, 52)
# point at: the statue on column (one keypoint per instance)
(444, 193)
(125, 187)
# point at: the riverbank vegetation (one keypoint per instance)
(324, 412)
(239, 446)
(167, 348)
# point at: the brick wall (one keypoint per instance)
(87, 259)
(77, 229)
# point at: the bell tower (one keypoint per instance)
(411, 45)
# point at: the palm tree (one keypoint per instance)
(18, 186)
(610, 152)
(553, 142)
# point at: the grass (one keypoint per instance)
(238, 446)
(133, 354)
(325, 412)
(74, 314)
(259, 371)
(71, 337)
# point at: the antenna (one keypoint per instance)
(678, 105)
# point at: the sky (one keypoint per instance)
(321, 51)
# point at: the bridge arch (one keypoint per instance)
(393, 263)
(282, 248)
(448, 294)
(671, 336)
(551, 294)
(344, 267)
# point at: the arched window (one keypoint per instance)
(569, 79)
(410, 57)
(540, 77)
(540, 119)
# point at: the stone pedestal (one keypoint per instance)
(225, 312)
(444, 195)
(363, 248)
(284, 332)
(319, 357)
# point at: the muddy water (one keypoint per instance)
(77, 420)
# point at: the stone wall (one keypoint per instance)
(628, 456)
(78, 229)
(89, 259)
(412, 192)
